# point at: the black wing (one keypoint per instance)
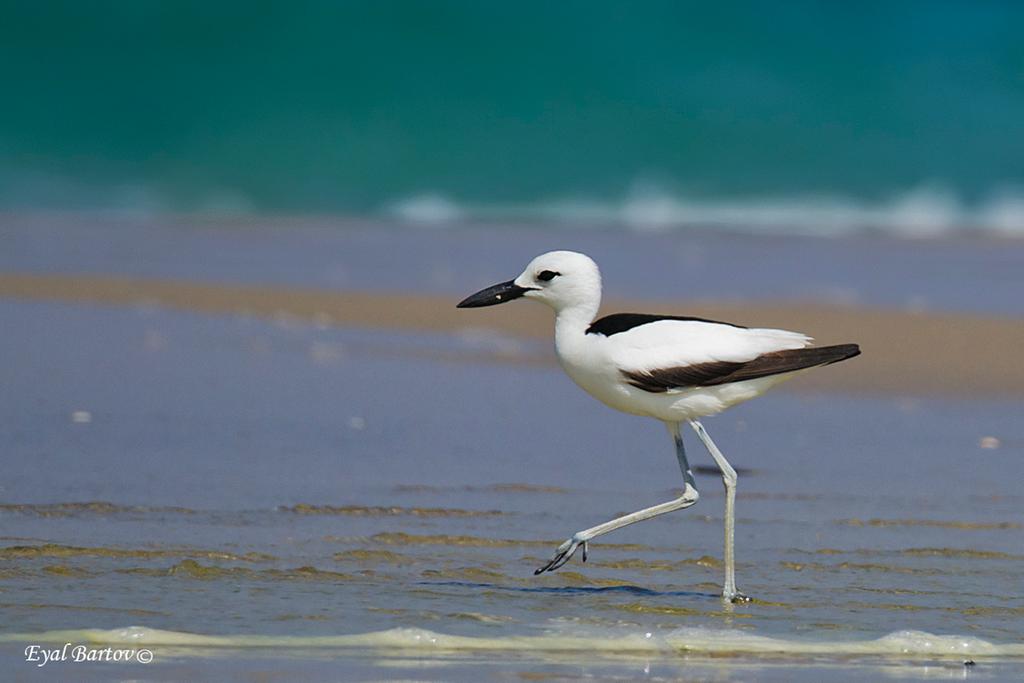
(725, 372)
(620, 322)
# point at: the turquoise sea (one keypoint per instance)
(810, 117)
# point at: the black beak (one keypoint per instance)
(498, 294)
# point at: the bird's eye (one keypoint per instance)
(547, 275)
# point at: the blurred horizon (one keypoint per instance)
(802, 117)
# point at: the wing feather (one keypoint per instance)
(679, 343)
(714, 373)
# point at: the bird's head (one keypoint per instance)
(560, 279)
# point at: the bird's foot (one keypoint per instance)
(563, 554)
(735, 598)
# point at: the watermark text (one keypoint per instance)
(69, 652)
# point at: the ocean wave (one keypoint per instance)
(929, 210)
(612, 641)
(926, 211)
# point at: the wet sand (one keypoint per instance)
(286, 453)
(905, 353)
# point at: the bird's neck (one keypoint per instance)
(573, 321)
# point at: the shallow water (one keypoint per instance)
(322, 498)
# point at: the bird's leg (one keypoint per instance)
(581, 538)
(729, 591)
(684, 464)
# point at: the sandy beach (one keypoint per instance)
(905, 353)
(283, 449)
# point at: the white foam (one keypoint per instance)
(622, 641)
(926, 211)
(427, 209)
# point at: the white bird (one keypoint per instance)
(675, 369)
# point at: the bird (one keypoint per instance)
(676, 369)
